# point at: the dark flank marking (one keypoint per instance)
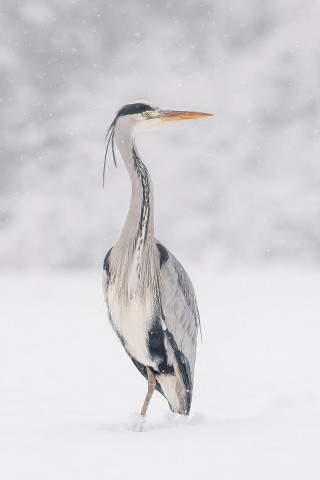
(164, 255)
(184, 370)
(106, 263)
(131, 108)
(157, 349)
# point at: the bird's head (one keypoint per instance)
(142, 116)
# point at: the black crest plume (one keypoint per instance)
(109, 140)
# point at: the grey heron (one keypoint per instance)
(150, 299)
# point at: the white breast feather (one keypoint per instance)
(132, 320)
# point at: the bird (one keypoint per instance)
(150, 299)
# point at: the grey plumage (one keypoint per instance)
(150, 298)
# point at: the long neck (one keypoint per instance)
(135, 263)
(139, 224)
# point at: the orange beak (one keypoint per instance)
(174, 115)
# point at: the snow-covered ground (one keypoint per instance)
(67, 389)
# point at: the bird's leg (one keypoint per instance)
(151, 387)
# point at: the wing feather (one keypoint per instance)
(180, 310)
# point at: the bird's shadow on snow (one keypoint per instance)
(136, 423)
(170, 421)
(279, 407)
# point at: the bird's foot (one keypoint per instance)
(197, 418)
(182, 420)
(176, 419)
(136, 422)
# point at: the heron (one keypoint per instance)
(150, 299)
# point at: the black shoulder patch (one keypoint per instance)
(156, 347)
(164, 255)
(131, 108)
(106, 265)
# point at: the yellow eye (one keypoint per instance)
(145, 114)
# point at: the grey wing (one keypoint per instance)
(180, 311)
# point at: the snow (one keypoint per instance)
(136, 422)
(242, 186)
(67, 388)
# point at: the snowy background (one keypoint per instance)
(237, 200)
(248, 179)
